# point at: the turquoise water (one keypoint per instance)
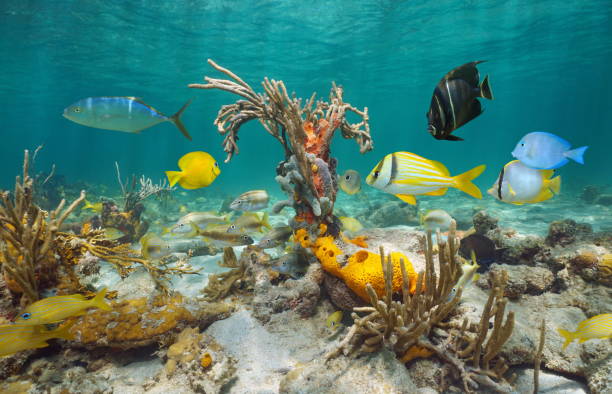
(548, 62)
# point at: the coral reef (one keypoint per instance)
(220, 285)
(392, 213)
(524, 280)
(565, 232)
(305, 130)
(27, 237)
(483, 222)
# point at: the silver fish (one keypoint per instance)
(293, 264)
(253, 200)
(275, 237)
(129, 114)
(183, 227)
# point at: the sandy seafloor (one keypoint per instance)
(265, 353)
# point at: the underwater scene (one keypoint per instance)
(377, 196)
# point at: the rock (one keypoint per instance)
(605, 199)
(483, 222)
(549, 383)
(522, 249)
(394, 213)
(426, 372)
(524, 279)
(380, 373)
(599, 375)
(339, 293)
(565, 232)
(590, 194)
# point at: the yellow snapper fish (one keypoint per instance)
(350, 182)
(57, 308)
(405, 175)
(469, 275)
(251, 221)
(350, 224)
(253, 200)
(95, 207)
(597, 327)
(17, 337)
(436, 219)
(333, 321)
(183, 227)
(223, 238)
(129, 114)
(518, 184)
(198, 169)
(153, 247)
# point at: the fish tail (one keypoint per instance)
(576, 154)
(63, 332)
(464, 183)
(555, 184)
(174, 177)
(228, 217)
(195, 230)
(98, 301)
(176, 119)
(264, 221)
(87, 205)
(165, 230)
(568, 336)
(485, 88)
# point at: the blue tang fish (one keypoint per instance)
(129, 114)
(546, 151)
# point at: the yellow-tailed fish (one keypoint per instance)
(350, 224)
(333, 321)
(251, 221)
(57, 308)
(597, 327)
(95, 207)
(223, 238)
(518, 184)
(275, 237)
(405, 175)
(253, 200)
(350, 182)
(152, 246)
(129, 114)
(183, 227)
(436, 219)
(198, 169)
(17, 337)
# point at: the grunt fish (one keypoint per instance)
(183, 227)
(454, 101)
(250, 221)
(153, 247)
(599, 326)
(293, 264)
(223, 238)
(275, 237)
(129, 114)
(253, 200)
(17, 337)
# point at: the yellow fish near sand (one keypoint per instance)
(55, 309)
(597, 327)
(95, 207)
(198, 169)
(17, 337)
(406, 175)
(334, 320)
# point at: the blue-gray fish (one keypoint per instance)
(129, 114)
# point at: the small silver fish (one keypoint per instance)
(293, 264)
(128, 114)
(183, 227)
(275, 237)
(350, 182)
(253, 200)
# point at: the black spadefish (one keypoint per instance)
(454, 101)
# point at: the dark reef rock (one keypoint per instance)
(483, 222)
(605, 199)
(394, 213)
(565, 232)
(525, 280)
(339, 293)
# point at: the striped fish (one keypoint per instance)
(405, 175)
(253, 200)
(599, 326)
(55, 309)
(17, 337)
(129, 114)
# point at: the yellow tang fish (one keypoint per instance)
(333, 321)
(599, 326)
(198, 169)
(405, 175)
(17, 337)
(55, 309)
(96, 207)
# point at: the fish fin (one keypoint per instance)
(87, 205)
(176, 119)
(166, 230)
(568, 336)
(63, 332)
(98, 301)
(485, 88)
(195, 230)
(174, 177)
(547, 174)
(39, 345)
(555, 184)
(451, 137)
(408, 198)
(545, 194)
(265, 222)
(576, 154)
(440, 167)
(464, 183)
(439, 192)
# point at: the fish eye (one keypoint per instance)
(522, 144)
(216, 164)
(376, 174)
(245, 237)
(348, 177)
(77, 109)
(26, 316)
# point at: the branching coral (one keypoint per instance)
(305, 130)
(27, 234)
(219, 285)
(406, 326)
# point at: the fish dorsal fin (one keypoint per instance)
(547, 174)
(468, 72)
(440, 167)
(439, 192)
(408, 198)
